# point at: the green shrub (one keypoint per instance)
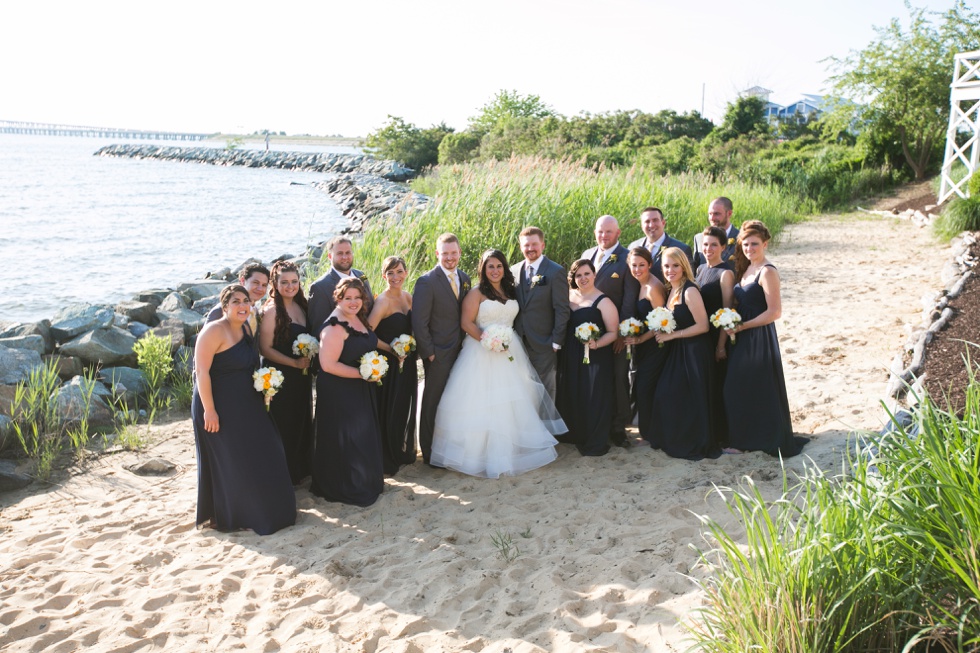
(35, 417)
(974, 185)
(404, 142)
(959, 215)
(459, 147)
(155, 360)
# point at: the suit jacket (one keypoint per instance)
(544, 308)
(615, 280)
(321, 303)
(727, 254)
(656, 269)
(436, 312)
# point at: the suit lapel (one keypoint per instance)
(521, 281)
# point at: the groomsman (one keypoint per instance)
(719, 215)
(542, 293)
(255, 278)
(656, 241)
(436, 305)
(321, 302)
(614, 279)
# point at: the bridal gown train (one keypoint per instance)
(495, 417)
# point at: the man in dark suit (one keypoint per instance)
(542, 293)
(656, 241)
(613, 278)
(436, 305)
(719, 215)
(255, 278)
(321, 302)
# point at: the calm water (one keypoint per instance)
(79, 228)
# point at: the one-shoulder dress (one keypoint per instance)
(292, 410)
(347, 452)
(586, 395)
(755, 390)
(709, 280)
(648, 361)
(242, 478)
(397, 397)
(495, 417)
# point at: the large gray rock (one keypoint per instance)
(76, 319)
(110, 346)
(42, 328)
(144, 312)
(202, 288)
(204, 305)
(153, 296)
(184, 360)
(67, 366)
(71, 402)
(175, 301)
(138, 329)
(7, 437)
(10, 478)
(120, 320)
(191, 321)
(174, 331)
(133, 381)
(33, 343)
(17, 364)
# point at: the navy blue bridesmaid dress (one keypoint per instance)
(242, 477)
(709, 280)
(292, 410)
(648, 363)
(397, 397)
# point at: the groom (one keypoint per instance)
(436, 305)
(542, 293)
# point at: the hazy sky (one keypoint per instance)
(328, 67)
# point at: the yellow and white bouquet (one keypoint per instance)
(306, 346)
(267, 380)
(403, 345)
(726, 318)
(630, 327)
(497, 338)
(373, 366)
(584, 333)
(661, 319)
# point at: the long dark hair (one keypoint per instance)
(281, 336)
(353, 282)
(506, 284)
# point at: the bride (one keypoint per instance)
(495, 417)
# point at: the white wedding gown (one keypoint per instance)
(495, 417)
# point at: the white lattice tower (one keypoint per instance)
(964, 117)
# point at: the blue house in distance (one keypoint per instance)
(811, 106)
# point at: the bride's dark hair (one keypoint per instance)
(506, 284)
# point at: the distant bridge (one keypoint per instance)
(48, 129)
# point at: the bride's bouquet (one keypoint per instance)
(403, 345)
(497, 338)
(267, 380)
(306, 346)
(373, 366)
(726, 318)
(584, 333)
(627, 328)
(661, 319)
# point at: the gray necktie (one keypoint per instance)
(530, 275)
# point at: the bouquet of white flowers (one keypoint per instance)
(403, 345)
(726, 318)
(306, 346)
(661, 319)
(373, 366)
(267, 380)
(497, 338)
(630, 327)
(584, 333)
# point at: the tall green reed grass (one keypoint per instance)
(883, 557)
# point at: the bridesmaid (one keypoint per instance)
(716, 278)
(283, 320)
(347, 454)
(755, 391)
(585, 392)
(242, 478)
(648, 358)
(391, 316)
(681, 423)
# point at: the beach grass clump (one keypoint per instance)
(487, 204)
(154, 359)
(961, 214)
(885, 557)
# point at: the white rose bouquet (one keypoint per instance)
(306, 346)
(267, 380)
(726, 318)
(373, 366)
(584, 333)
(630, 327)
(661, 319)
(403, 345)
(497, 338)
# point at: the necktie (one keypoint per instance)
(601, 257)
(452, 282)
(530, 275)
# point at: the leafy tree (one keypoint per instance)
(508, 104)
(406, 143)
(511, 136)
(459, 147)
(904, 78)
(744, 117)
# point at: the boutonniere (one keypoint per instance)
(537, 280)
(466, 286)
(615, 275)
(731, 241)
(613, 258)
(661, 250)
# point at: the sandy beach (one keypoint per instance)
(602, 548)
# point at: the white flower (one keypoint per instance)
(661, 319)
(630, 327)
(726, 318)
(267, 380)
(306, 345)
(584, 333)
(373, 366)
(497, 338)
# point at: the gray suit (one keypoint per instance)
(435, 324)
(727, 254)
(656, 269)
(543, 317)
(321, 303)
